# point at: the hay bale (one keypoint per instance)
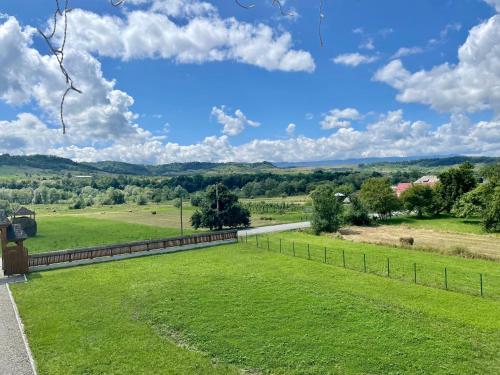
(406, 241)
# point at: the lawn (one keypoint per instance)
(443, 223)
(463, 275)
(235, 307)
(68, 232)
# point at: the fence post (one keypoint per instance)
(325, 254)
(246, 237)
(364, 262)
(343, 258)
(446, 278)
(388, 268)
(481, 283)
(280, 245)
(257, 240)
(293, 247)
(415, 272)
(308, 252)
(268, 243)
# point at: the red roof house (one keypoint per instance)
(401, 187)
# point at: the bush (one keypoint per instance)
(357, 213)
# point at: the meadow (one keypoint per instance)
(61, 228)
(242, 309)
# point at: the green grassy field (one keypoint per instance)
(443, 223)
(68, 232)
(236, 307)
(463, 275)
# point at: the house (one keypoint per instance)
(401, 187)
(427, 180)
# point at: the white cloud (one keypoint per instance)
(390, 135)
(495, 4)
(233, 125)
(101, 114)
(197, 38)
(354, 59)
(470, 85)
(290, 129)
(339, 118)
(367, 44)
(404, 51)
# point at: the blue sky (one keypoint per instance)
(182, 80)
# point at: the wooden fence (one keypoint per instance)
(46, 259)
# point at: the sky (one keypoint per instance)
(166, 81)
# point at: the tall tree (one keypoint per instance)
(220, 208)
(419, 198)
(454, 183)
(378, 196)
(327, 210)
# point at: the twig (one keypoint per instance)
(59, 54)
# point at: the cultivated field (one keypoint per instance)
(238, 308)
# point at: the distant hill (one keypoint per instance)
(422, 161)
(44, 164)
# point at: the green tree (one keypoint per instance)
(220, 208)
(483, 201)
(419, 198)
(454, 183)
(357, 213)
(327, 210)
(377, 194)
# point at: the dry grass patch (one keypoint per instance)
(460, 244)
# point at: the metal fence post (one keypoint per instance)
(364, 262)
(415, 272)
(308, 252)
(481, 284)
(280, 245)
(325, 254)
(446, 278)
(257, 240)
(343, 258)
(388, 268)
(267, 243)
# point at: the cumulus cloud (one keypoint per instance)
(201, 36)
(354, 59)
(101, 114)
(339, 118)
(389, 135)
(471, 85)
(290, 129)
(233, 125)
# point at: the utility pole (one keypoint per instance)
(182, 228)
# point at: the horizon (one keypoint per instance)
(214, 82)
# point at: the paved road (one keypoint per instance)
(274, 228)
(14, 358)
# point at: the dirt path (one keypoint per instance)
(486, 245)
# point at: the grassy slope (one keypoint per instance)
(463, 274)
(250, 309)
(67, 232)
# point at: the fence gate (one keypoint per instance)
(15, 256)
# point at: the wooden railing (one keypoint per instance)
(46, 259)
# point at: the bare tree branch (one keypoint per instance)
(59, 53)
(249, 6)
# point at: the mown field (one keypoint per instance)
(238, 308)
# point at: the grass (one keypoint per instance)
(166, 216)
(442, 223)
(463, 274)
(68, 232)
(234, 307)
